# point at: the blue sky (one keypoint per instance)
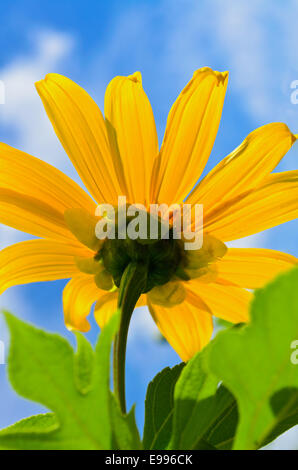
(167, 40)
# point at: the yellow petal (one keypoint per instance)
(34, 195)
(32, 177)
(187, 327)
(105, 307)
(35, 261)
(78, 297)
(80, 126)
(33, 216)
(82, 224)
(227, 302)
(190, 134)
(253, 267)
(245, 168)
(272, 203)
(132, 133)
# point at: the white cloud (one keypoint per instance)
(23, 112)
(143, 325)
(257, 43)
(144, 342)
(12, 302)
(259, 240)
(24, 115)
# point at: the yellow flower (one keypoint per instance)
(119, 155)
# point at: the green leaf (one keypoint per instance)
(212, 421)
(83, 364)
(42, 423)
(159, 408)
(125, 433)
(223, 419)
(285, 401)
(205, 416)
(42, 368)
(254, 362)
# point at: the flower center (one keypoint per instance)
(162, 258)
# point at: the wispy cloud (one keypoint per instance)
(23, 112)
(22, 116)
(255, 40)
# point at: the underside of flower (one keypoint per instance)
(118, 154)
(161, 258)
(165, 258)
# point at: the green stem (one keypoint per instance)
(131, 287)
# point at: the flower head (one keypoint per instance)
(119, 155)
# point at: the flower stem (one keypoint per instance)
(131, 287)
